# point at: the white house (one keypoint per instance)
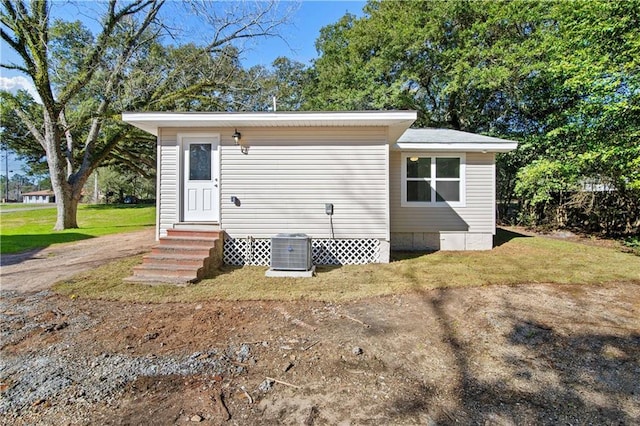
(359, 183)
(38, 197)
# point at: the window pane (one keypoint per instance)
(421, 168)
(448, 191)
(200, 161)
(448, 167)
(418, 191)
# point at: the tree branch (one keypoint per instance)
(14, 67)
(112, 19)
(17, 45)
(32, 128)
(69, 138)
(240, 24)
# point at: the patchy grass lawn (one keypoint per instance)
(15, 206)
(24, 230)
(517, 259)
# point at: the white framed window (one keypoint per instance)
(433, 180)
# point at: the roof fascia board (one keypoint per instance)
(456, 147)
(408, 113)
(212, 118)
(152, 121)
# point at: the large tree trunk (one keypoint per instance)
(67, 206)
(67, 192)
(66, 202)
(68, 196)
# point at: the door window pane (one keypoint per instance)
(200, 161)
(421, 168)
(418, 190)
(448, 191)
(448, 167)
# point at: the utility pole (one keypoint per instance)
(95, 186)
(6, 170)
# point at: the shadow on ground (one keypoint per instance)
(397, 255)
(503, 236)
(553, 377)
(118, 206)
(19, 247)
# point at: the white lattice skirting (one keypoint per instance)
(257, 251)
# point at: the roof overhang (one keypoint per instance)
(455, 147)
(43, 192)
(396, 121)
(451, 141)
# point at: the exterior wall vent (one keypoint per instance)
(291, 252)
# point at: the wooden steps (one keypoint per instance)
(183, 256)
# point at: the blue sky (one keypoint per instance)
(300, 34)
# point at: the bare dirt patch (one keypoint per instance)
(528, 354)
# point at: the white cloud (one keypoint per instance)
(13, 84)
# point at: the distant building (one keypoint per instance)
(38, 197)
(596, 185)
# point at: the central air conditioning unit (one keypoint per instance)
(291, 252)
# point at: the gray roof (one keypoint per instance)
(447, 136)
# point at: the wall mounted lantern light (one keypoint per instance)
(237, 136)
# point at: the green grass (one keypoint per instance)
(24, 230)
(15, 206)
(517, 260)
(633, 243)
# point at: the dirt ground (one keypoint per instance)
(39, 269)
(497, 355)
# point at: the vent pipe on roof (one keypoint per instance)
(274, 104)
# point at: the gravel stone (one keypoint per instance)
(32, 378)
(243, 354)
(266, 385)
(42, 377)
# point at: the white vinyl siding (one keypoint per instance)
(477, 214)
(286, 178)
(168, 181)
(289, 174)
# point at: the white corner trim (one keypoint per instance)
(159, 200)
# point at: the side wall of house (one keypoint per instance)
(167, 202)
(284, 181)
(288, 176)
(446, 228)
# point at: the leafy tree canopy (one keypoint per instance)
(561, 77)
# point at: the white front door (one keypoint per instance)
(201, 191)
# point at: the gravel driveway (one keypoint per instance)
(38, 270)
